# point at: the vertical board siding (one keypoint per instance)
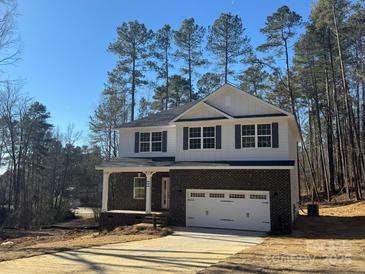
(240, 104)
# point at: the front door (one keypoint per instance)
(165, 193)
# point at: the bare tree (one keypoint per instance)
(9, 42)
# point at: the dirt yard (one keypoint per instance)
(21, 244)
(333, 242)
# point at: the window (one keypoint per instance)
(208, 137)
(195, 138)
(236, 196)
(248, 136)
(144, 142)
(138, 188)
(256, 135)
(216, 195)
(197, 194)
(199, 136)
(264, 135)
(257, 196)
(150, 141)
(156, 141)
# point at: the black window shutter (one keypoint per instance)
(275, 134)
(185, 138)
(136, 142)
(237, 136)
(218, 137)
(164, 141)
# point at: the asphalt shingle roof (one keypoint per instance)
(159, 119)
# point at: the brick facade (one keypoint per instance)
(275, 181)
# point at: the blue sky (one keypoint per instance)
(64, 59)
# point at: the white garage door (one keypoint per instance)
(231, 209)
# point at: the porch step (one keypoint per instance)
(158, 220)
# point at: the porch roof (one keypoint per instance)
(168, 163)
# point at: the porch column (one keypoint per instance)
(104, 202)
(148, 191)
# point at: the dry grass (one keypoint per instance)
(32, 243)
(333, 242)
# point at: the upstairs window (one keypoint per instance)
(248, 136)
(201, 137)
(264, 135)
(156, 141)
(256, 135)
(150, 141)
(208, 137)
(144, 142)
(195, 138)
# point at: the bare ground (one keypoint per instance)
(37, 242)
(333, 242)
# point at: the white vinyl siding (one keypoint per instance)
(228, 152)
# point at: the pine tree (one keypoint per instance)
(159, 99)
(179, 91)
(254, 80)
(279, 31)
(188, 40)
(227, 41)
(163, 44)
(133, 47)
(208, 83)
(144, 108)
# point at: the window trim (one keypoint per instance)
(195, 138)
(256, 136)
(202, 138)
(140, 187)
(150, 142)
(264, 135)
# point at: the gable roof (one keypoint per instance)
(167, 117)
(162, 118)
(229, 116)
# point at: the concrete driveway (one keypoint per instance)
(187, 250)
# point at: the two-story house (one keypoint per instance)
(228, 160)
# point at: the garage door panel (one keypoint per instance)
(232, 209)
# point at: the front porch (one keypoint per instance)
(134, 195)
